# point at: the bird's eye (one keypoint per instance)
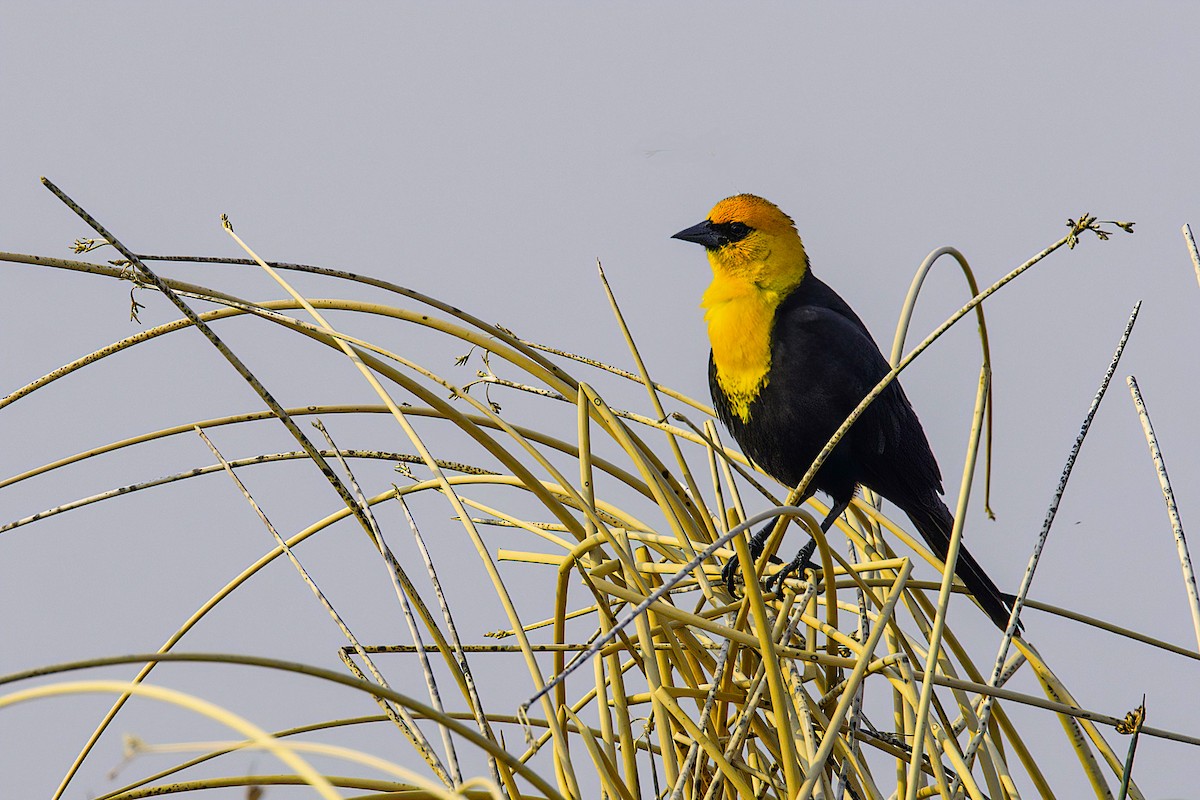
(729, 232)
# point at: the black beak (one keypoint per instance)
(704, 234)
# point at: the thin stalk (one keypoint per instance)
(766, 650)
(658, 673)
(1027, 581)
(939, 624)
(416, 707)
(279, 411)
(1056, 688)
(910, 302)
(626, 374)
(270, 556)
(406, 724)
(255, 782)
(1073, 726)
(196, 472)
(1134, 720)
(1191, 244)
(710, 698)
(151, 277)
(727, 770)
(283, 751)
(692, 495)
(608, 736)
(340, 752)
(563, 760)
(460, 656)
(606, 770)
(855, 716)
(399, 579)
(856, 676)
(1164, 482)
(226, 748)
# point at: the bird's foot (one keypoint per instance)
(801, 562)
(732, 570)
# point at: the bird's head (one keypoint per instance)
(749, 238)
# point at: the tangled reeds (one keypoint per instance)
(657, 683)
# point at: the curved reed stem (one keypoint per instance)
(691, 691)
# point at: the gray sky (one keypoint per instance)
(488, 155)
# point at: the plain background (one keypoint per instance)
(488, 155)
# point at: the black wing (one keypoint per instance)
(825, 362)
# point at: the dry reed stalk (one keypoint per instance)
(691, 691)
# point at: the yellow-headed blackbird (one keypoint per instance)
(790, 361)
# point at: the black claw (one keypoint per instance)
(729, 572)
(802, 561)
(731, 569)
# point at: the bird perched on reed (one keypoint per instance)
(790, 361)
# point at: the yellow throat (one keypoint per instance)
(751, 277)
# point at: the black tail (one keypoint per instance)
(934, 522)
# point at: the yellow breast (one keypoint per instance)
(740, 316)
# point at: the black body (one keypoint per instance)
(823, 363)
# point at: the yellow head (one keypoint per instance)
(748, 239)
(757, 259)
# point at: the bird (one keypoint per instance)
(789, 361)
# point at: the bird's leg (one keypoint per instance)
(730, 570)
(803, 559)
